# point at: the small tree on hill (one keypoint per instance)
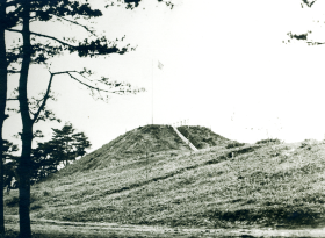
(67, 145)
(42, 160)
(64, 146)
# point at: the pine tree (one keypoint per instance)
(64, 146)
(32, 110)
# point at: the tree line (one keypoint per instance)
(65, 146)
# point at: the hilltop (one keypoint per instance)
(271, 184)
(147, 141)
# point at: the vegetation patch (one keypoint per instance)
(14, 201)
(269, 140)
(200, 136)
(234, 145)
(267, 216)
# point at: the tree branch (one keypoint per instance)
(95, 48)
(308, 3)
(66, 72)
(46, 36)
(304, 37)
(77, 23)
(46, 96)
(89, 86)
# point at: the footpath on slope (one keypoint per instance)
(184, 139)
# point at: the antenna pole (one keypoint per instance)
(152, 91)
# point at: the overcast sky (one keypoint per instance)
(222, 60)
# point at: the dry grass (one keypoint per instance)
(274, 186)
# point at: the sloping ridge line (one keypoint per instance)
(184, 139)
(216, 160)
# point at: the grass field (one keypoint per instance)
(271, 186)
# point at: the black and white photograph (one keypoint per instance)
(162, 118)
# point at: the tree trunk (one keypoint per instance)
(27, 132)
(3, 100)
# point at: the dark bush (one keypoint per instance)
(269, 140)
(233, 145)
(273, 215)
(14, 202)
(184, 131)
(194, 141)
(36, 207)
(305, 146)
(207, 140)
(199, 146)
(177, 139)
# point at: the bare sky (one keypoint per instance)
(222, 60)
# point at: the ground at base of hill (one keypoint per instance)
(85, 230)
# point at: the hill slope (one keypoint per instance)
(268, 185)
(138, 143)
(148, 141)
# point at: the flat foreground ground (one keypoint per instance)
(275, 190)
(49, 228)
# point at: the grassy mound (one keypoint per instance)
(143, 142)
(270, 185)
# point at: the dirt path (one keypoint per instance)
(91, 229)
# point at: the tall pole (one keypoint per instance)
(152, 91)
(232, 117)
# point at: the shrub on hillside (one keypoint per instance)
(184, 131)
(269, 140)
(199, 146)
(177, 139)
(233, 145)
(194, 141)
(305, 146)
(207, 140)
